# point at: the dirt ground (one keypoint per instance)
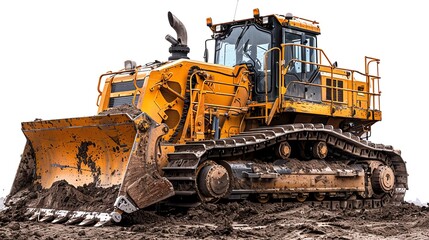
(239, 220)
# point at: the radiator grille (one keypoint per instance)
(126, 86)
(118, 101)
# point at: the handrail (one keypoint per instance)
(368, 61)
(191, 107)
(266, 79)
(370, 79)
(332, 87)
(319, 63)
(110, 73)
(310, 47)
(134, 98)
(202, 92)
(135, 70)
(326, 57)
(101, 77)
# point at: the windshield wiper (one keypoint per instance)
(246, 26)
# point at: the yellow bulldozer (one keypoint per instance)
(272, 118)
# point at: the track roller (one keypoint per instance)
(283, 150)
(263, 198)
(320, 150)
(319, 196)
(302, 197)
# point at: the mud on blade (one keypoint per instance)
(79, 150)
(100, 151)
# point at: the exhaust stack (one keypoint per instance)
(179, 48)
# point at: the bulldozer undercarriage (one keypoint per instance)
(303, 163)
(342, 168)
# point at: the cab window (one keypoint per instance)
(296, 53)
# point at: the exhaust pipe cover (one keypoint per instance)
(177, 25)
(179, 48)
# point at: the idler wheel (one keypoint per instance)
(383, 179)
(214, 181)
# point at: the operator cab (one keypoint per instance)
(257, 42)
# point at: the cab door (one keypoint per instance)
(301, 57)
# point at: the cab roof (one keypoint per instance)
(287, 21)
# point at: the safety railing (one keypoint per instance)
(369, 79)
(135, 73)
(109, 73)
(210, 108)
(372, 84)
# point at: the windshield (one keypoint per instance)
(243, 44)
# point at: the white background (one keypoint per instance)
(52, 53)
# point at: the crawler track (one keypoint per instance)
(349, 158)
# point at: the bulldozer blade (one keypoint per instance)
(79, 150)
(154, 186)
(104, 151)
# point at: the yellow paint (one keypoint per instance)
(81, 150)
(299, 23)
